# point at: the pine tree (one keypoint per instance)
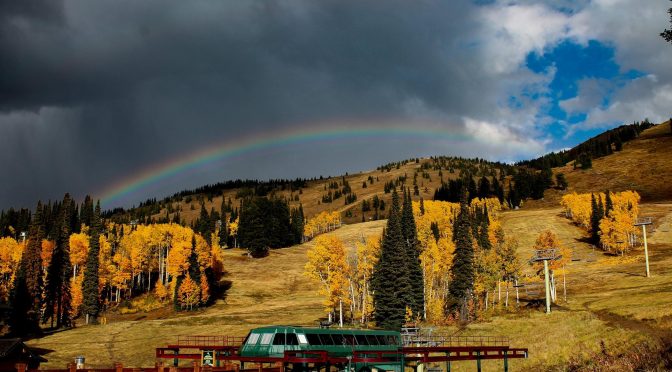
(415, 299)
(86, 211)
(462, 285)
(389, 281)
(57, 287)
(608, 204)
(28, 285)
(595, 217)
(91, 302)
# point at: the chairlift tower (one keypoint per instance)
(546, 255)
(643, 221)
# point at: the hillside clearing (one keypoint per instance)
(610, 305)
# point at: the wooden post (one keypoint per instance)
(548, 289)
(21, 367)
(197, 367)
(72, 367)
(646, 250)
(118, 367)
(159, 367)
(260, 367)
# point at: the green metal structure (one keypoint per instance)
(274, 341)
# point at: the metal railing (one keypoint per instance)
(198, 341)
(455, 341)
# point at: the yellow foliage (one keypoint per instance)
(547, 240)
(327, 265)
(161, 291)
(436, 256)
(79, 247)
(368, 254)
(617, 230)
(10, 255)
(323, 222)
(77, 296)
(189, 293)
(47, 251)
(205, 289)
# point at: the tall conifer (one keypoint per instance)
(595, 217)
(91, 301)
(416, 296)
(462, 285)
(28, 284)
(57, 287)
(608, 204)
(390, 276)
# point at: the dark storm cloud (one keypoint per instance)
(94, 91)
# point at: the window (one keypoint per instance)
(326, 339)
(279, 339)
(291, 339)
(361, 340)
(302, 338)
(349, 340)
(338, 339)
(372, 339)
(252, 340)
(266, 338)
(313, 339)
(382, 340)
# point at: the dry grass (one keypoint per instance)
(642, 165)
(608, 304)
(266, 291)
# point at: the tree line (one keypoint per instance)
(601, 145)
(436, 261)
(59, 273)
(609, 217)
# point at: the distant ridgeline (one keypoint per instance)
(601, 145)
(245, 188)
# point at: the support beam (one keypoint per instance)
(548, 289)
(646, 251)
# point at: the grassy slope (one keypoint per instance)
(608, 300)
(642, 165)
(266, 291)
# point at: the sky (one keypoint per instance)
(129, 100)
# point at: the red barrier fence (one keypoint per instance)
(118, 367)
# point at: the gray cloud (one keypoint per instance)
(92, 92)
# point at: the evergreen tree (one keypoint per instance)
(297, 224)
(462, 285)
(595, 217)
(561, 181)
(86, 211)
(483, 187)
(57, 286)
(389, 281)
(194, 268)
(22, 319)
(28, 285)
(416, 297)
(91, 301)
(608, 204)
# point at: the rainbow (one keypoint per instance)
(116, 193)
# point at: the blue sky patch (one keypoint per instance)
(574, 62)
